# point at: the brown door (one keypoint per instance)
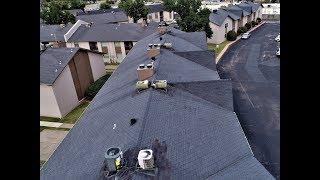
(82, 73)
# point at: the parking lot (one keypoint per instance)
(255, 72)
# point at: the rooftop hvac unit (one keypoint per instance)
(113, 158)
(141, 85)
(145, 159)
(167, 45)
(160, 84)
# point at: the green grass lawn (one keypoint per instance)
(41, 163)
(213, 47)
(72, 117)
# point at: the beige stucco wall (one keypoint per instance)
(97, 65)
(84, 45)
(244, 20)
(166, 16)
(48, 103)
(65, 92)
(219, 31)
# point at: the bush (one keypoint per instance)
(248, 25)
(253, 23)
(242, 30)
(105, 5)
(258, 20)
(231, 35)
(94, 88)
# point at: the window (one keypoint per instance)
(156, 15)
(104, 47)
(93, 46)
(76, 44)
(170, 15)
(127, 46)
(150, 17)
(117, 46)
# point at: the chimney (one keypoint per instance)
(153, 50)
(145, 71)
(162, 27)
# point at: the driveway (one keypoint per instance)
(255, 72)
(49, 141)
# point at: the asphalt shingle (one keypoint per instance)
(52, 63)
(202, 134)
(50, 33)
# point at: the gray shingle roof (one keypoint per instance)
(218, 17)
(155, 8)
(247, 168)
(47, 30)
(203, 136)
(249, 6)
(112, 32)
(103, 16)
(52, 63)
(237, 10)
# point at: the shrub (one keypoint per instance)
(258, 20)
(248, 25)
(231, 35)
(242, 30)
(94, 88)
(105, 5)
(253, 23)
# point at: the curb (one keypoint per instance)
(238, 38)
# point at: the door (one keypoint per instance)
(81, 73)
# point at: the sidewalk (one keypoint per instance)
(238, 38)
(56, 124)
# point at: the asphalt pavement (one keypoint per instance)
(254, 69)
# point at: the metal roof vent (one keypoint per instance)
(145, 159)
(153, 50)
(62, 25)
(160, 84)
(133, 121)
(142, 85)
(145, 71)
(167, 45)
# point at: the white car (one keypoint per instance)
(245, 35)
(278, 52)
(277, 38)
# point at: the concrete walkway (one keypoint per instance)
(238, 38)
(56, 124)
(49, 141)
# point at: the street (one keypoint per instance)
(255, 72)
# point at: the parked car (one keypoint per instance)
(278, 52)
(245, 35)
(277, 38)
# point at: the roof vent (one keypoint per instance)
(132, 121)
(145, 159)
(145, 71)
(167, 45)
(160, 84)
(62, 25)
(113, 158)
(153, 50)
(142, 85)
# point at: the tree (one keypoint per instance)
(51, 13)
(135, 9)
(105, 5)
(191, 17)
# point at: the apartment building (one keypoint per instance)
(115, 40)
(157, 13)
(188, 123)
(232, 17)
